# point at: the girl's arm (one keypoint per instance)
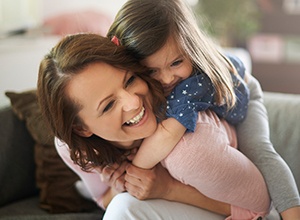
(254, 142)
(291, 213)
(157, 183)
(156, 147)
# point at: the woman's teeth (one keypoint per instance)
(137, 118)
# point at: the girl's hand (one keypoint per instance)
(148, 184)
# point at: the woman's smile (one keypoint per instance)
(116, 104)
(135, 120)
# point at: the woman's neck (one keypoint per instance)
(128, 145)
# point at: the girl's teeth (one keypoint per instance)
(137, 118)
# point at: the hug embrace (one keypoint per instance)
(155, 116)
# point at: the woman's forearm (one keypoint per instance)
(107, 197)
(158, 184)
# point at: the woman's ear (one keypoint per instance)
(82, 131)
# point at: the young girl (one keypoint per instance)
(145, 27)
(88, 90)
(194, 93)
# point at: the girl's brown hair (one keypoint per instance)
(144, 26)
(68, 58)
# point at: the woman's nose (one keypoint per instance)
(130, 101)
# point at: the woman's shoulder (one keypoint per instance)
(62, 148)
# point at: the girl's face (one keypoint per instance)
(169, 65)
(116, 105)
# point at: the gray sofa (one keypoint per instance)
(34, 182)
(19, 196)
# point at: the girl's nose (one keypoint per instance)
(166, 77)
(130, 101)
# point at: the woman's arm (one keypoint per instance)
(156, 147)
(157, 183)
(113, 176)
(102, 184)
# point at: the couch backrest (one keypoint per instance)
(17, 168)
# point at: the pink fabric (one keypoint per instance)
(91, 180)
(208, 160)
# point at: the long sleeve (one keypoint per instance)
(254, 142)
(91, 180)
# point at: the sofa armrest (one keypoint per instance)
(284, 120)
(17, 168)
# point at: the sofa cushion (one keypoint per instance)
(54, 179)
(27, 209)
(17, 168)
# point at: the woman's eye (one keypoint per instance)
(177, 62)
(130, 81)
(109, 106)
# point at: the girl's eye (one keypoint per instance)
(130, 81)
(109, 106)
(177, 62)
(152, 71)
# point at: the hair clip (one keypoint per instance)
(115, 40)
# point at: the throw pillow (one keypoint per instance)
(53, 177)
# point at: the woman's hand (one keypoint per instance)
(148, 184)
(114, 176)
(158, 183)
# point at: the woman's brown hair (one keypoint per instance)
(68, 58)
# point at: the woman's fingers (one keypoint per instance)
(132, 154)
(114, 175)
(147, 184)
(118, 177)
(139, 182)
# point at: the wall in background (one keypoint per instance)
(16, 14)
(275, 50)
(20, 55)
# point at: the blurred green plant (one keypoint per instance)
(231, 22)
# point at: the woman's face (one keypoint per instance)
(116, 105)
(169, 65)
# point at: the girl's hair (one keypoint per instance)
(68, 58)
(144, 26)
